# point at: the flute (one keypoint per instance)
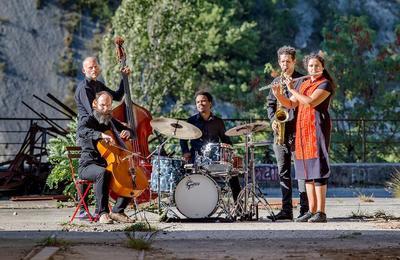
(294, 80)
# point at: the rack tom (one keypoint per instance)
(217, 158)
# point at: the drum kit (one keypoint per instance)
(201, 190)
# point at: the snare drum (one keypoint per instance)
(196, 196)
(171, 170)
(216, 158)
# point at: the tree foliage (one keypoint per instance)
(176, 47)
(366, 74)
(362, 76)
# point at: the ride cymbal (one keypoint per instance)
(176, 128)
(246, 129)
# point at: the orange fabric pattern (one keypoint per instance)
(306, 132)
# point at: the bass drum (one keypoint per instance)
(196, 196)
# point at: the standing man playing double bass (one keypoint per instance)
(283, 151)
(85, 94)
(86, 91)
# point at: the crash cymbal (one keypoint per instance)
(255, 144)
(176, 128)
(246, 129)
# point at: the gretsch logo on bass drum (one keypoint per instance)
(190, 184)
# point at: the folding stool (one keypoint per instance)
(74, 153)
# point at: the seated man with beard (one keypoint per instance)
(92, 166)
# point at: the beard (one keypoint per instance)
(103, 117)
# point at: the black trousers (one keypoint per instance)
(101, 179)
(235, 186)
(283, 154)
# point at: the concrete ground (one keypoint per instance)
(351, 233)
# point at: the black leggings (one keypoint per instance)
(318, 182)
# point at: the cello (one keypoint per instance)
(130, 170)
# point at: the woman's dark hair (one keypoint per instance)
(325, 73)
(204, 93)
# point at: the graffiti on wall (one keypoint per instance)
(266, 174)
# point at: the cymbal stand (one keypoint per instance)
(244, 209)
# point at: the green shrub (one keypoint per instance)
(60, 172)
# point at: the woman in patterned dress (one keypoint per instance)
(313, 128)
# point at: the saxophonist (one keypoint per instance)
(284, 124)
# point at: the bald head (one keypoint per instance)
(90, 68)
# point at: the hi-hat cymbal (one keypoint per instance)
(246, 129)
(255, 144)
(176, 128)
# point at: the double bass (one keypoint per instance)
(127, 163)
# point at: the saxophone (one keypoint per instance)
(281, 117)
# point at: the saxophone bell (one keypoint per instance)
(281, 117)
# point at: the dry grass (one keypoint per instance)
(394, 183)
(366, 198)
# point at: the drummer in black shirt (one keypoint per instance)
(213, 131)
